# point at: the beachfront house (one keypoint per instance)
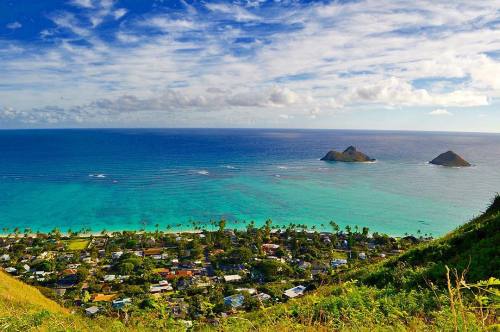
(295, 291)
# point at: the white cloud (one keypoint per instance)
(328, 57)
(396, 92)
(440, 112)
(119, 13)
(82, 3)
(14, 25)
(236, 12)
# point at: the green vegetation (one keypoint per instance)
(77, 244)
(473, 248)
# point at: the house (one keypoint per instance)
(109, 277)
(295, 291)
(270, 248)
(362, 255)
(5, 258)
(118, 304)
(69, 271)
(232, 278)
(103, 297)
(163, 272)
(153, 251)
(180, 274)
(250, 291)
(216, 252)
(26, 268)
(338, 262)
(234, 301)
(92, 311)
(137, 253)
(262, 297)
(10, 270)
(154, 289)
(116, 254)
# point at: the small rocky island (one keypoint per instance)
(349, 155)
(450, 159)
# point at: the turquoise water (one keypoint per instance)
(123, 179)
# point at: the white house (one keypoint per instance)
(232, 277)
(92, 310)
(109, 277)
(295, 291)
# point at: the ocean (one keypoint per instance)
(124, 179)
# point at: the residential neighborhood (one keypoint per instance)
(199, 275)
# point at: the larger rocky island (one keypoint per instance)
(450, 159)
(349, 155)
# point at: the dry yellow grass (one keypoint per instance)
(24, 308)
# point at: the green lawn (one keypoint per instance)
(77, 244)
(339, 254)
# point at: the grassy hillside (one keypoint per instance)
(473, 248)
(24, 308)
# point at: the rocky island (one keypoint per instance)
(450, 159)
(349, 155)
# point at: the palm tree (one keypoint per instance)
(335, 227)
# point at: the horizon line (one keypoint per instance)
(249, 128)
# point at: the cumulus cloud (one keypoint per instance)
(396, 92)
(440, 112)
(167, 102)
(14, 25)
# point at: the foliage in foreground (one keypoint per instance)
(354, 307)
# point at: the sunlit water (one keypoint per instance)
(124, 179)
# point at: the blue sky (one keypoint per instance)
(428, 65)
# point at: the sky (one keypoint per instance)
(374, 64)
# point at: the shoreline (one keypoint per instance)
(193, 231)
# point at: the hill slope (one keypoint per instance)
(24, 308)
(474, 248)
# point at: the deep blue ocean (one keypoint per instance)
(117, 179)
